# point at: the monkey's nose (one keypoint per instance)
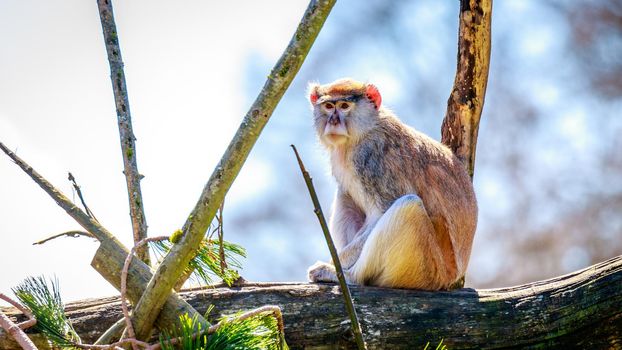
(333, 120)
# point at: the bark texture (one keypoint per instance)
(124, 120)
(466, 101)
(579, 310)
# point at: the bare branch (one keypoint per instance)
(73, 234)
(173, 265)
(221, 237)
(72, 179)
(17, 330)
(124, 272)
(465, 104)
(124, 118)
(356, 327)
(110, 256)
(87, 222)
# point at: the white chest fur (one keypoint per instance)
(343, 171)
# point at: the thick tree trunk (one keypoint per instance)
(580, 310)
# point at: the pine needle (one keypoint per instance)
(440, 346)
(48, 309)
(206, 263)
(258, 332)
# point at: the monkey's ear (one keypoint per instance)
(373, 95)
(313, 92)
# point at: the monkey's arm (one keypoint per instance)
(346, 220)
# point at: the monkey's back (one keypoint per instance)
(393, 160)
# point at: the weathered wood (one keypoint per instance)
(579, 310)
(124, 120)
(466, 101)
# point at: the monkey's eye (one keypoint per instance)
(329, 105)
(344, 105)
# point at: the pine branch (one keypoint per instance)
(124, 119)
(48, 309)
(230, 164)
(207, 261)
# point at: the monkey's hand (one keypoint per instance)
(322, 272)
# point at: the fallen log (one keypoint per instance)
(579, 310)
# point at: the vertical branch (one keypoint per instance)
(221, 238)
(465, 104)
(356, 327)
(124, 119)
(226, 171)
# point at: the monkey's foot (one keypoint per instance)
(322, 272)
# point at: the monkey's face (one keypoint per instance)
(334, 121)
(344, 110)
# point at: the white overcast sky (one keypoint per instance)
(183, 67)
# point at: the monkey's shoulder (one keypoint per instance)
(393, 143)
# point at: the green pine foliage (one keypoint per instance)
(440, 346)
(206, 263)
(258, 332)
(48, 309)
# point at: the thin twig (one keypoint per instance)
(116, 345)
(17, 330)
(79, 192)
(356, 327)
(31, 318)
(73, 234)
(221, 237)
(124, 120)
(87, 222)
(124, 272)
(281, 76)
(113, 332)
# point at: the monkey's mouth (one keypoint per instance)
(335, 138)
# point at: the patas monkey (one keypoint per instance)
(405, 212)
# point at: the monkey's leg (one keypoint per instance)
(401, 250)
(325, 272)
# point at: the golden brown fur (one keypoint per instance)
(405, 212)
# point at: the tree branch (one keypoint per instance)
(465, 104)
(124, 119)
(356, 327)
(73, 234)
(230, 164)
(76, 188)
(581, 310)
(110, 256)
(17, 330)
